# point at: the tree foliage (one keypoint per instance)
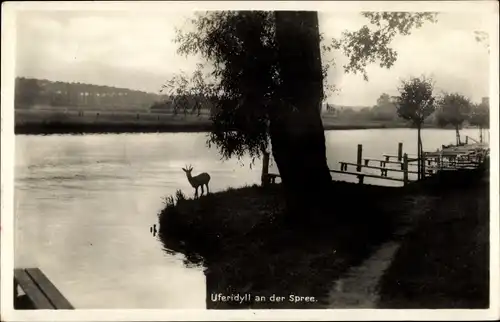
(27, 92)
(240, 48)
(480, 115)
(453, 109)
(242, 86)
(385, 109)
(191, 92)
(371, 43)
(416, 101)
(482, 38)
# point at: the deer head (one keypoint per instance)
(188, 169)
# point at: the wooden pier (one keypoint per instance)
(448, 158)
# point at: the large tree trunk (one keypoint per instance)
(422, 164)
(419, 154)
(296, 129)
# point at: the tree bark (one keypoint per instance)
(296, 129)
(419, 153)
(422, 164)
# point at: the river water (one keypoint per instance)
(84, 206)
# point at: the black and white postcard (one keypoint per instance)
(289, 160)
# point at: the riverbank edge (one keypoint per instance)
(241, 238)
(54, 128)
(252, 252)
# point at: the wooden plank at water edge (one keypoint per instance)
(55, 297)
(366, 175)
(344, 165)
(29, 287)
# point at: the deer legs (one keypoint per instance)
(202, 190)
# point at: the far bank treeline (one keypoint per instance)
(385, 110)
(30, 92)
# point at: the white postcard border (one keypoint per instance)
(7, 148)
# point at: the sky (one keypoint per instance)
(136, 50)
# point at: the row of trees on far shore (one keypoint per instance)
(385, 110)
(416, 102)
(30, 92)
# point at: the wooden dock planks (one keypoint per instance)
(385, 169)
(361, 174)
(447, 158)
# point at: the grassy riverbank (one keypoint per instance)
(444, 262)
(71, 122)
(239, 235)
(241, 238)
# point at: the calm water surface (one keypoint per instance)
(84, 205)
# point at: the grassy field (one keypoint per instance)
(50, 120)
(444, 262)
(47, 122)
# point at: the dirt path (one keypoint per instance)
(358, 288)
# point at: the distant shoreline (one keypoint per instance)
(47, 122)
(48, 128)
(107, 128)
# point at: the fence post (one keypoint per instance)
(405, 169)
(360, 156)
(265, 168)
(466, 139)
(423, 165)
(400, 151)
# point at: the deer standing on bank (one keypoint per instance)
(197, 181)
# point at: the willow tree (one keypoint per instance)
(415, 103)
(453, 109)
(268, 82)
